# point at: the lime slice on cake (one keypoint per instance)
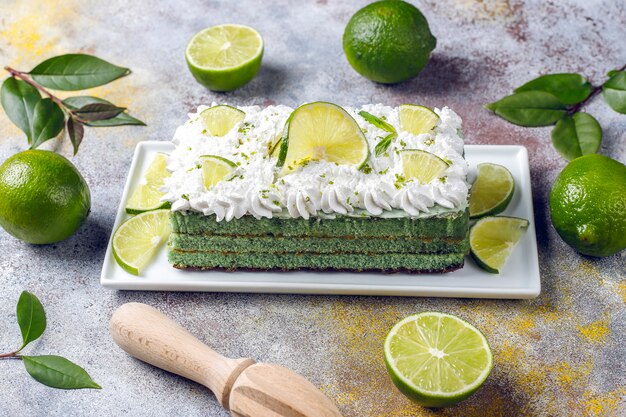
(136, 241)
(225, 57)
(417, 119)
(492, 191)
(421, 165)
(437, 359)
(322, 131)
(146, 196)
(219, 120)
(492, 240)
(215, 169)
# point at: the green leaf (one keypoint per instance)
(121, 119)
(58, 372)
(48, 121)
(19, 99)
(568, 88)
(98, 111)
(75, 131)
(31, 318)
(614, 92)
(529, 108)
(76, 72)
(383, 145)
(379, 123)
(577, 135)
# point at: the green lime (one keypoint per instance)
(43, 197)
(136, 241)
(225, 57)
(588, 205)
(492, 239)
(215, 169)
(147, 196)
(388, 41)
(417, 119)
(492, 191)
(219, 120)
(437, 359)
(320, 130)
(421, 165)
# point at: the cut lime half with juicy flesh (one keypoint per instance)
(421, 165)
(492, 239)
(136, 241)
(417, 119)
(219, 120)
(492, 191)
(437, 359)
(215, 169)
(322, 131)
(146, 196)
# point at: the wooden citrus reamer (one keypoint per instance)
(246, 388)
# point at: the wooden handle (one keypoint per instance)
(149, 335)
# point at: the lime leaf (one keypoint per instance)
(123, 118)
(376, 121)
(614, 91)
(529, 108)
(31, 317)
(384, 144)
(58, 372)
(75, 131)
(568, 88)
(19, 99)
(76, 72)
(577, 135)
(98, 111)
(48, 121)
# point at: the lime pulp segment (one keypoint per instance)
(492, 191)
(215, 169)
(417, 119)
(492, 240)
(219, 120)
(147, 195)
(422, 166)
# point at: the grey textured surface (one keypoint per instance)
(561, 354)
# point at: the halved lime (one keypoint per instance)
(215, 169)
(492, 191)
(225, 57)
(421, 165)
(146, 196)
(219, 120)
(135, 242)
(417, 119)
(320, 130)
(492, 240)
(437, 359)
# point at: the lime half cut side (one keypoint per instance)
(136, 241)
(437, 359)
(147, 196)
(492, 239)
(417, 119)
(322, 131)
(422, 166)
(216, 169)
(225, 57)
(492, 191)
(219, 120)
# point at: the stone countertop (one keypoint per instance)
(560, 354)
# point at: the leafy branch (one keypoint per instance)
(42, 118)
(558, 99)
(51, 370)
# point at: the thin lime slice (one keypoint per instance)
(215, 169)
(421, 165)
(492, 240)
(437, 359)
(219, 120)
(322, 131)
(225, 57)
(146, 196)
(136, 241)
(492, 191)
(417, 119)
(275, 148)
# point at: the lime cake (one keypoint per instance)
(320, 187)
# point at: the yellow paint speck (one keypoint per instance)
(595, 332)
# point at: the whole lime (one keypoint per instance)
(388, 41)
(43, 197)
(588, 205)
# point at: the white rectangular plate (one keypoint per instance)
(520, 278)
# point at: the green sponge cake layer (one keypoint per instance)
(389, 262)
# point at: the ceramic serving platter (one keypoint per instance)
(520, 278)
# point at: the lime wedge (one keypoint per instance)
(219, 120)
(492, 240)
(225, 57)
(135, 242)
(437, 359)
(215, 169)
(417, 119)
(146, 196)
(421, 165)
(320, 130)
(492, 191)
